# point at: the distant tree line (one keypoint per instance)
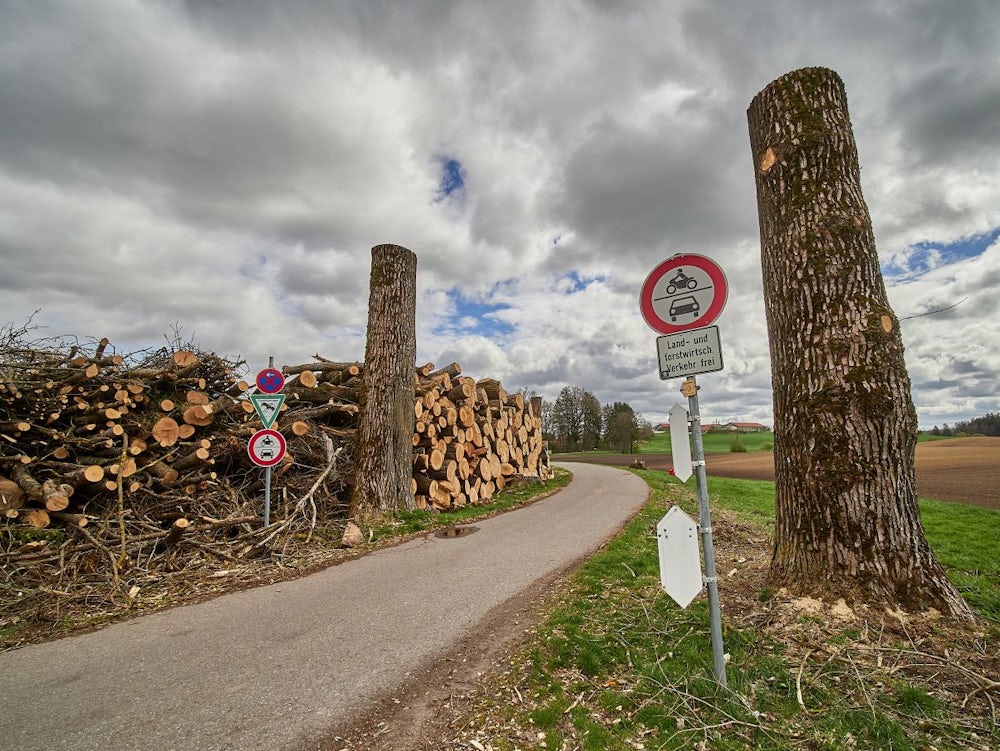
(577, 421)
(988, 424)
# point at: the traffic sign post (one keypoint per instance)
(677, 546)
(267, 447)
(689, 353)
(267, 407)
(680, 446)
(690, 390)
(270, 381)
(679, 299)
(684, 292)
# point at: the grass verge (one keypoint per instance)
(618, 665)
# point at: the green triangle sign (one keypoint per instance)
(267, 407)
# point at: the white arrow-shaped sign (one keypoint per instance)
(680, 446)
(680, 565)
(267, 407)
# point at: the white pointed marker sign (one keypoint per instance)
(680, 446)
(267, 407)
(680, 565)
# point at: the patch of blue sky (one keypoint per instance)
(452, 179)
(574, 281)
(918, 259)
(473, 316)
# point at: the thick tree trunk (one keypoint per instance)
(847, 522)
(385, 451)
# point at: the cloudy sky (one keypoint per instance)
(225, 166)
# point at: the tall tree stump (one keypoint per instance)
(384, 459)
(847, 522)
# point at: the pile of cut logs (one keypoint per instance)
(88, 435)
(470, 437)
(79, 429)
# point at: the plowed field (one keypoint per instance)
(966, 470)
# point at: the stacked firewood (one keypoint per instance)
(164, 440)
(471, 437)
(76, 429)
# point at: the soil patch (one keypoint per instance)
(962, 470)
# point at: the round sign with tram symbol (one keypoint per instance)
(270, 381)
(267, 447)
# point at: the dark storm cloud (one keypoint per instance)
(629, 189)
(951, 115)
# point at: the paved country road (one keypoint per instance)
(276, 666)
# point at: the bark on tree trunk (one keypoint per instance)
(847, 522)
(385, 451)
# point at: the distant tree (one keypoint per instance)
(567, 418)
(846, 517)
(548, 422)
(935, 430)
(645, 430)
(590, 433)
(988, 424)
(575, 420)
(621, 427)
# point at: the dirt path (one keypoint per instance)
(964, 470)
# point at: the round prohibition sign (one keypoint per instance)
(267, 447)
(270, 381)
(685, 292)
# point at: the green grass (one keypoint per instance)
(721, 442)
(618, 665)
(714, 443)
(411, 522)
(923, 436)
(964, 538)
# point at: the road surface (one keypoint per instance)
(272, 667)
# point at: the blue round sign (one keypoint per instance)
(270, 381)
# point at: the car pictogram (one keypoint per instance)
(683, 305)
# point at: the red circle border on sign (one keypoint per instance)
(262, 379)
(704, 263)
(274, 434)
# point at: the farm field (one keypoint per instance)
(965, 470)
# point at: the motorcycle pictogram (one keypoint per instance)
(680, 280)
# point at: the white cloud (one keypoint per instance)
(228, 166)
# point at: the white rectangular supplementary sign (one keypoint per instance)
(689, 353)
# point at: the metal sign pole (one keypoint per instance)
(267, 476)
(690, 390)
(267, 496)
